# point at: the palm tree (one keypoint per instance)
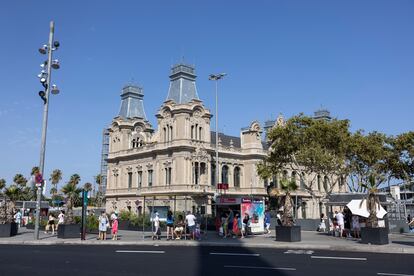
(20, 180)
(287, 187)
(71, 192)
(55, 177)
(13, 192)
(75, 179)
(372, 199)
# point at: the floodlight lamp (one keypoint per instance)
(55, 64)
(55, 89)
(56, 44)
(43, 79)
(43, 49)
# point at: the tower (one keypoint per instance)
(182, 84)
(132, 102)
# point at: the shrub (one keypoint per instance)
(125, 215)
(92, 223)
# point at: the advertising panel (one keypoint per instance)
(255, 209)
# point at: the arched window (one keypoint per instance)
(136, 142)
(165, 134)
(171, 133)
(236, 177)
(225, 174)
(285, 175)
(200, 133)
(192, 132)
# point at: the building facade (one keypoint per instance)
(172, 165)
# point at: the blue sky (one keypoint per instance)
(355, 58)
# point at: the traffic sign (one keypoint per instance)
(39, 179)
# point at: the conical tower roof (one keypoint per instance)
(182, 84)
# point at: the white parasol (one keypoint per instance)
(358, 207)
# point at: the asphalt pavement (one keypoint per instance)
(201, 260)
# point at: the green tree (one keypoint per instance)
(20, 180)
(287, 187)
(87, 186)
(308, 147)
(13, 192)
(54, 179)
(71, 192)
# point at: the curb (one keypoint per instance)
(279, 245)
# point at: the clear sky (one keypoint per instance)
(355, 58)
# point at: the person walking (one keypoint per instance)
(267, 222)
(340, 221)
(355, 226)
(50, 224)
(18, 218)
(103, 226)
(61, 219)
(191, 222)
(170, 225)
(225, 225)
(236, 229)
(157, 229)
(246, 224)
(240, 225)
(322, 226)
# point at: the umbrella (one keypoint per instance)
(359, 207)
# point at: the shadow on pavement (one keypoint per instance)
(410, 243)
(235, 260)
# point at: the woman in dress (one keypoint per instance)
(115, 228)
(236, 229)
(103, 225)
(355, 226)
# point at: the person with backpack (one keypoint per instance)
(245, 224)
(170, 225)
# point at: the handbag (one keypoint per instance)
(158, 232)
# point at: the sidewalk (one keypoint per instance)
(399, 243)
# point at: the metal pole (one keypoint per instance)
(217, 162)
(44, 126)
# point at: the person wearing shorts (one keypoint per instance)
(191, 222)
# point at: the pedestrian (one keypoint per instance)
(245, 224)
(411, 226)
(157, 230)
(114, 227)
(322, 226)
(230, 220)
(340, 221)
(355, 226)
(267, 222)
(191, 222)
(170, 225)
(103, 225)
(225, 224)
(408, 218)
(240, 225)
(61, 219)
(179, 227)
(18, 218)
(50, 224)
(279, 218)
(236, 229)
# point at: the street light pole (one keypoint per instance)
(50, 47)
(217, 77)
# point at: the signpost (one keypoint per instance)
(84, 208)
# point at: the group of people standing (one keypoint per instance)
(177, 228)
(231, 224)
(105, 223)
(342, 224)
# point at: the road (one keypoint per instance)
(176, 260)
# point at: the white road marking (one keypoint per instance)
(393, 274)
(290, 251)
(339, 258)
(235, 254)
(137, 251)
(260, 267)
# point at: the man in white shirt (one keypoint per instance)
(18, 218)
(191, 223)
(156, 220)
(340, 220)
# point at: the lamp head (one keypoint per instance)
(43, 49)
(55, 89)
(55, 64)
(56, 44)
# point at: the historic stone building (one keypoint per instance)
(173, 164)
